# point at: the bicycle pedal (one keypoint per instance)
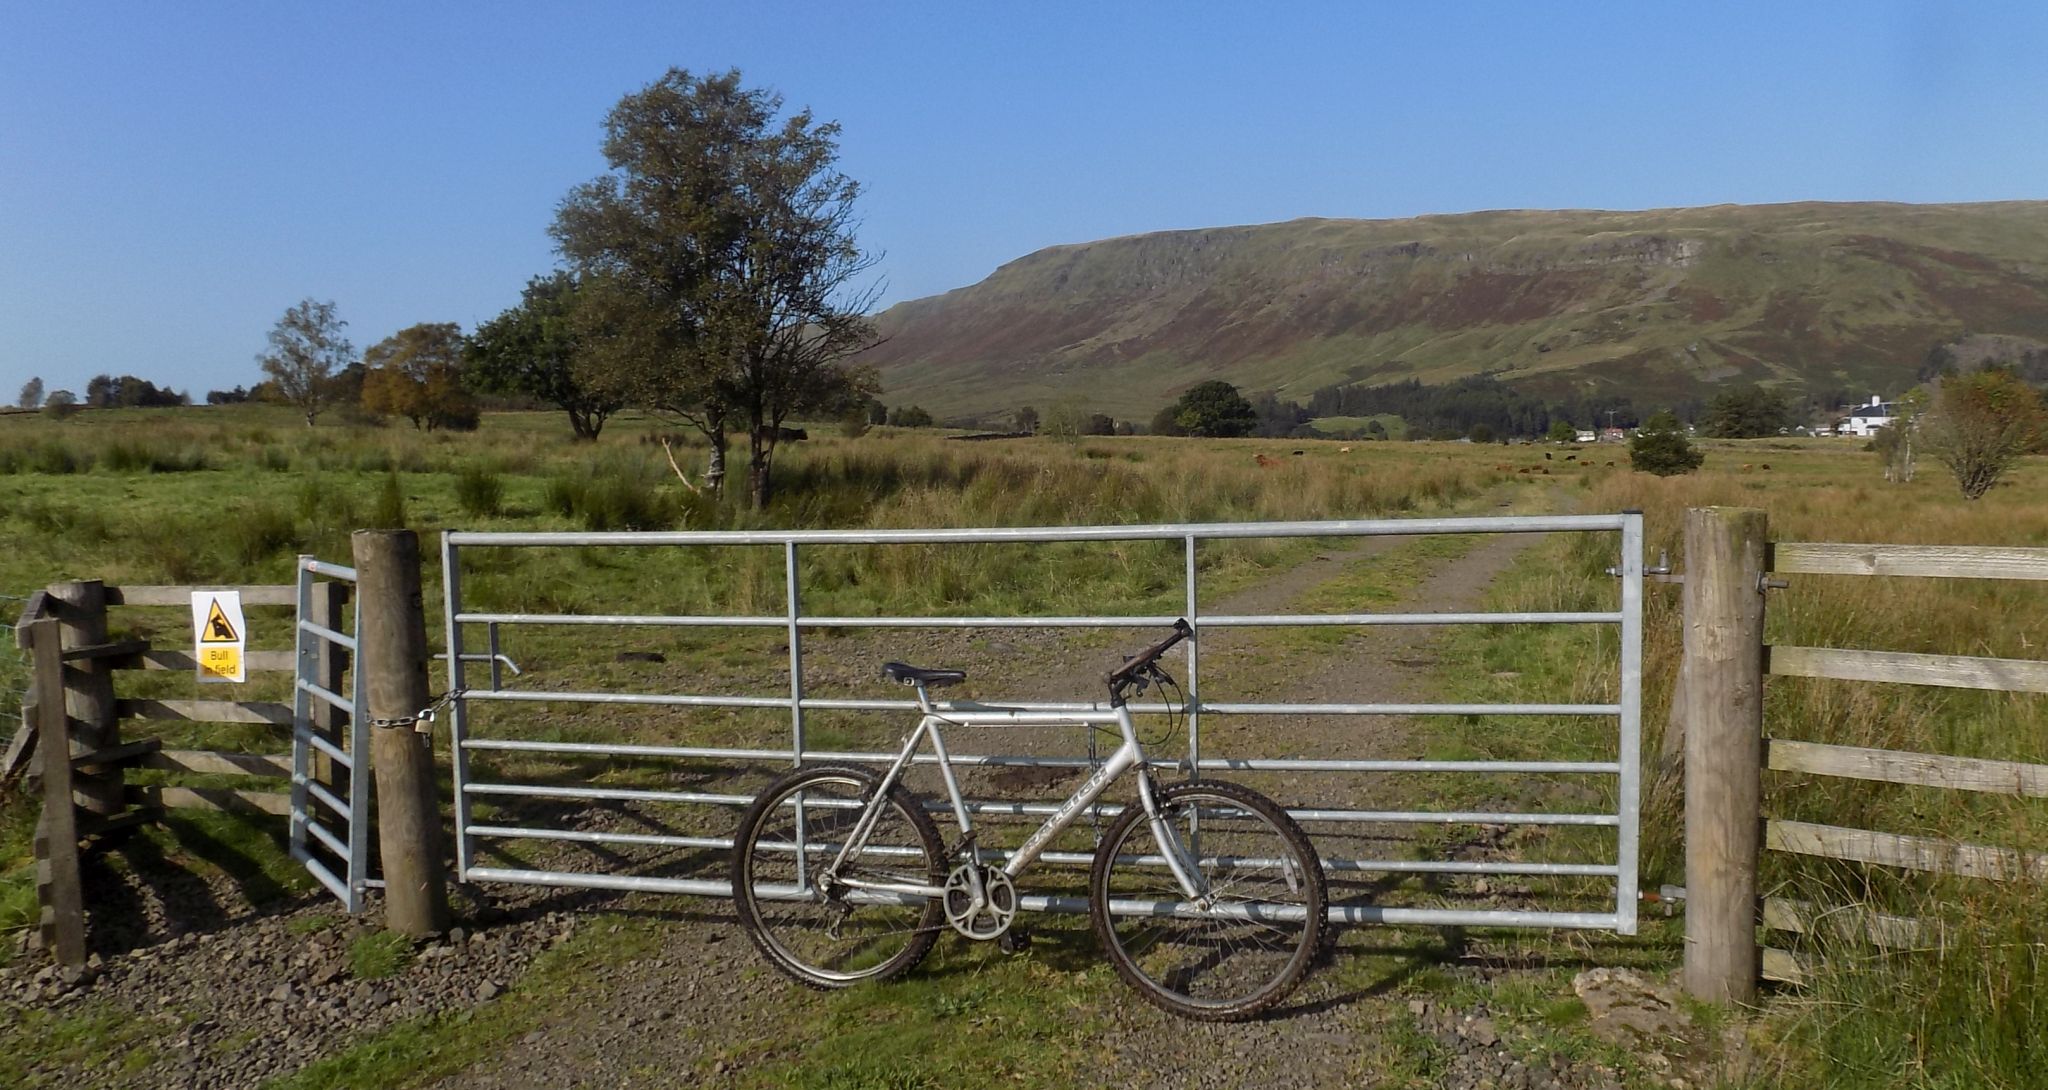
(1014, 941)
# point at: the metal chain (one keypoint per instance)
(422, 720)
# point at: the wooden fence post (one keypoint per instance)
(393, 653)
(1723, 716)
(88, 698)
(58, 890)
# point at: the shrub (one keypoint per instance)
(389, 511)
(479, 492)
(257, 532)
(1660, 447)
(1980, 424)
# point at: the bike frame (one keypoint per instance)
(1130, 755)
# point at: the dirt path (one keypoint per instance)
(692, 1004)
(707, 973)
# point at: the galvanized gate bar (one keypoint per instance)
(352, 850)
(1623, 818)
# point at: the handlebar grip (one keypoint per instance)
(1151, 654)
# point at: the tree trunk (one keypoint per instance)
(585, 425)
(714, 471)
(760, 465)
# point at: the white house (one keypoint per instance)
(1864, 420)
(1587, 435)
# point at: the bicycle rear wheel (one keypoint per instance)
(1265, 925)
(827, 935)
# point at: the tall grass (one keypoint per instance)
(1967, 1011)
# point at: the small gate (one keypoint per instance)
(330, 833)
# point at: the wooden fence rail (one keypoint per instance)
(1722, 849)
(69, 738)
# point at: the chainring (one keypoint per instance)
(993, 918)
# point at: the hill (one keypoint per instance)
(1668, 303)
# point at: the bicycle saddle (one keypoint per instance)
(903, 673)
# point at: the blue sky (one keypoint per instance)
(172, 177)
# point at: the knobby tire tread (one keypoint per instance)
(921, 942)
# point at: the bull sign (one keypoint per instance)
(218, 635)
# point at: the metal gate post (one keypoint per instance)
(1630, 774)
(458, 710)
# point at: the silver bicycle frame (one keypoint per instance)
(1128, 756)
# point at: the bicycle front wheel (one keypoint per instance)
(821, 932)
(1262, 929)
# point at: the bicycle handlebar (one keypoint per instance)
(1149, 655)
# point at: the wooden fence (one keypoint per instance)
(1730, 570)
(73, 709)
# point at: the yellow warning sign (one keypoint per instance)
(217, 628)
(218, 636)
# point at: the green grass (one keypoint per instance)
(379, 954)
(422, 1050)
(45, 1047)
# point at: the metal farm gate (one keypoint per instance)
(332, 838)
(793, 622)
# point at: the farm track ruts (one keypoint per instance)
(673, 1016)
(649, 1023)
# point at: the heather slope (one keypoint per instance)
(1669, 302)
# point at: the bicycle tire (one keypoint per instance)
(786, 929)
(1208, 968)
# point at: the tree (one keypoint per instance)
(416, 373)
(1067, 419)
(733, 231)
(1980, 423)
(1480, 433)
(1167, 421)
(1561, 431)
(236, 396)
(306, 351)
(1748, 413)
(1660, 447)
(1214, 409)
(1026, 420)
(1898, 443)
(537, 349)
(60, 404)
(912, 417)
(1100, 424)
(31, 394)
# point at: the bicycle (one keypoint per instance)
(1207, 897)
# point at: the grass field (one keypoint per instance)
(230, 496)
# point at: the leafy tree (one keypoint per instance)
(129, 392)
(416, 373)
(878, 413)
(1747, 413)
(911, 417)
(1980, 423)
(1561, 431)
(60, 404)
(1067, 419)
(236, 396)
(31, 394)
(307, 349)
(536, 349)
(1026, 419)
(1480, 433)
(1167, 421)
(1099, 424)
(1214, 410)
(730, 228)
(1660, 447)
(1898, 444)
